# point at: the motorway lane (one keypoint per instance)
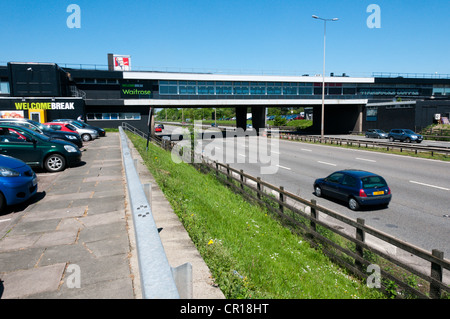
(421, 188)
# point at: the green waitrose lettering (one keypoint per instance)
(136, 92)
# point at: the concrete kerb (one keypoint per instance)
(177, 244)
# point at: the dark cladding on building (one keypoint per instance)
(107, 98)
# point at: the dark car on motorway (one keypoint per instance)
(45, 130)
(37, 149)
(101, 132)
(404, 135)
(357, 188)
(376, 133)
(18, 182)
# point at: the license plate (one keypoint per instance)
(379, 193)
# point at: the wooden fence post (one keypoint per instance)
(258, 187)
(361, 236)
(282, 199)
(314, 215)
(217, 169)
(242, 179)
(228, 173)
(436, 273)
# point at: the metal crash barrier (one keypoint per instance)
(158, 279)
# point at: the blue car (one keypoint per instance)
(18, 182)
(357, 188)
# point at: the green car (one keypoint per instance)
(36, 149)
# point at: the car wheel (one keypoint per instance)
(353, 203)
(407, 140)
(318, 191)
(391, 139)
(2, 202)
(55, 163)
(367, 135)
(86, 137)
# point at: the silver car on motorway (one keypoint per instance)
(376, 133)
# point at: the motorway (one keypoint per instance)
(419, 212)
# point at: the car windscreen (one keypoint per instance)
(71, 127)
(77, 124)
(373, 182)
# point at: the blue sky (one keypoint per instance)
(243, 36)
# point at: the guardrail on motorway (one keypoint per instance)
(158, 279)
(431, 268)
(366, 143)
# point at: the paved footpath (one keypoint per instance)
(76, 238)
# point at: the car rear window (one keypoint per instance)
(373, 182)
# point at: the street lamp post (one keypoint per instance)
(322, 129)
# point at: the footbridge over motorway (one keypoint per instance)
(257, 93)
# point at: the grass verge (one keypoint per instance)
(250, 254)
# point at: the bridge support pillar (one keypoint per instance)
(258, 118)
(241, 117)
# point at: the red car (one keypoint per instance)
(158, 129)
(67, 127)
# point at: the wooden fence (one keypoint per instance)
(349, 242)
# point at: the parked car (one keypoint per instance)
(101, 132)
(87, 134)
(37, 149)
(158, 129)
(161, 126)
(18, 182)
(376, 133)
(65, 127)
(357, 188)
(45, 130)
(404, 135)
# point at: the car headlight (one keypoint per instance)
(70, 148)
(8, 172)
(71, 137)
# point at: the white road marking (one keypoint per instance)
(242, 155)
(284, 167)
(4, 220)
(365, 159)
(306, 150)
(331, 164)
(439, 187)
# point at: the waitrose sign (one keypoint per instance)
(131, 90)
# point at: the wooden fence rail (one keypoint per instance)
(308, 221)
